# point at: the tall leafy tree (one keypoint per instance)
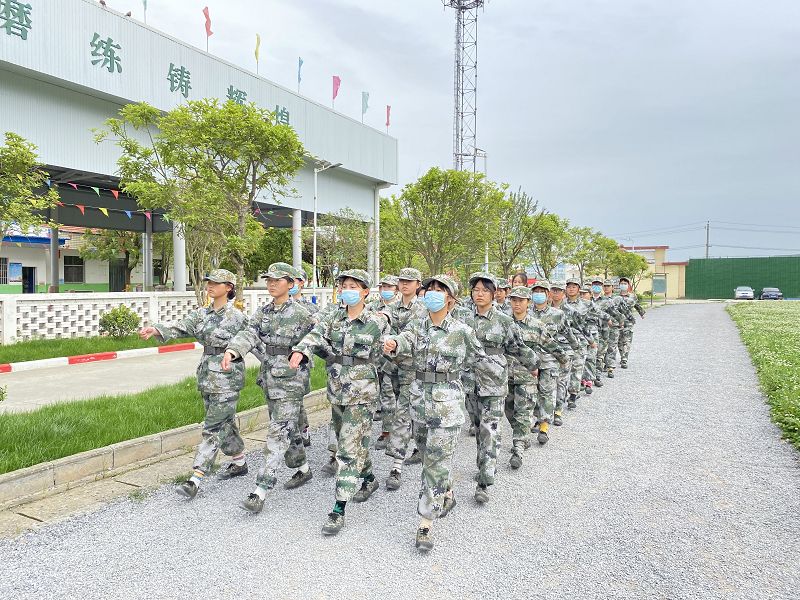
(630, 264)
(342, 241)
(551, 243)
(396, 251)
(583, 249)
(448, 215)
(24, 195)
(206, 163)
(519, 218)
(112, 244)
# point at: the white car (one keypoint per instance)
(744, 293)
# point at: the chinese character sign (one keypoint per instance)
(238, 96)
(281, 115)
(105, 51)
(179, 80)
(15, 18)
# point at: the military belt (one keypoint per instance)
(494, 351)
(213, 351)
(277, 350)
(434, 377)
(349, 361)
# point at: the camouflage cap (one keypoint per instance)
(281, 270)
(357, 274)
(300, 274)
(445, 280)
(221, 276)
(542, 283)
(623, 278)
(482, 275)
(389, 280)
(502, 283)
(585, 289)
(574, 280)
(520, 292)
(608, 282)
(558, 285)
(596, 280)
(410, 274)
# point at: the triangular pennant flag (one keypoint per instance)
(257, 211)
(47, 181)
(59, 203)
(116, 194)
(103, 210)
(127, 212)
(96, 190)
(18, 244)
(81, 208)
(149, 215)
(74, 186)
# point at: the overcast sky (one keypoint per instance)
(641, 118)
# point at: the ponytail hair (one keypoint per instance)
(232, 293)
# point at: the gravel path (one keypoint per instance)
(669, 482)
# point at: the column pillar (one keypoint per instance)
(371, 253)
(297, 238)
(147, 255)
(178, 258)
(53, 289)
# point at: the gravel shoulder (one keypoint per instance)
(669, 482)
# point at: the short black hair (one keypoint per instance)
(487, 284)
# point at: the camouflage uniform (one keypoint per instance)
(439, 354)
(401, 427)
(504, 307)
(352, 351)
(629, 303)
(390, 384)
(278, 328)
(614, 302)
(486, 399)
(594, 319)
(219, 389)
(609, 312)
(522, 384)
(577, 310)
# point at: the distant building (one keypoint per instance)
(660, 268)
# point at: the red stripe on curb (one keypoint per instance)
(176, 347)
(85, 358)
(6, 368)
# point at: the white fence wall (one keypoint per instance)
(50, 316)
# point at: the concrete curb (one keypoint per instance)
(46, 479)
(62, 361)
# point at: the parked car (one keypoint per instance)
(771, 294)
(744, 293)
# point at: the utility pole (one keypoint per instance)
(708, 232)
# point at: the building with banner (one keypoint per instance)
(67, 66)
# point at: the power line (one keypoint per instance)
(717, 228)
(757, 248)
(756, 225)
(661, 229)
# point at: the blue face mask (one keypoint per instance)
(387, 294)
(623, 287)
(539, 297)
(434, 301)
(350, 297)
(293, 290)
(596, 289)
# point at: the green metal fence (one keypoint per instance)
(717, 277)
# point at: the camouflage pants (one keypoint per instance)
(518, 405)
(400, 432)
(488, 435)
(576, 373)
(590, 365)
(220, 431)
(625, 340)
(613, 343)
(602, 350)
(390, 390)
(564, 374)
(546, 392)
(282, 440)
(472, 404)
(352, 426)
(437, 464)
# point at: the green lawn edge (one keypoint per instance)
(771, 334)
(41, 349)
(68, 428)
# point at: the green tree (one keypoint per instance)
(551, 243)
(162, 251)
(519, 218)
(275, 245)
(606, 251)
(448, 216)
(342, 241)
(632, 265)
(583, 251)
(111, 245)
(205, 163)
(24, 197)
(396, 252)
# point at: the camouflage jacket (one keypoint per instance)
(401, 315)
(448, 348)
(628, 304)
(538, 338)
(340, 340)
(609, 309)
(214, 329)
(380, 305)
(559, 327)
(500, 338)
(577, 316)
(276, 328)
(504, 308)
(306, 303)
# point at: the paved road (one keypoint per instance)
(29, 390)
(669, 483)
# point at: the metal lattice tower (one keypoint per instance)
(465, 83)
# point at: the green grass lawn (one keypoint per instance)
(65, 429)
(771, 332)
(39, 349)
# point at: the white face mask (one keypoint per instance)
(623, 287)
